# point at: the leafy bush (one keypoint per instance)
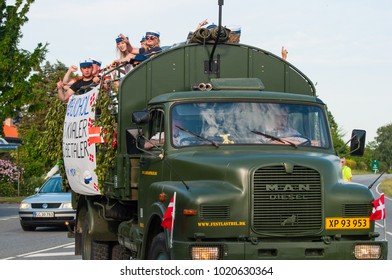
(30, 184)
(362, 166)
(8, 189)
(351, 163)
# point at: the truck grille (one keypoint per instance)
(357, 210)
(214, 212)
(286, 204)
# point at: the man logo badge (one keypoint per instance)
(289, 221)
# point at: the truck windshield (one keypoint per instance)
(240, 123)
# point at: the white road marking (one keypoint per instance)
(50, 254)
(9, 218)
(45, 250)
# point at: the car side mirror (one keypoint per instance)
(357, 146)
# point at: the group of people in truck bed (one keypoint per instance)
(91, 70)
(129, 57)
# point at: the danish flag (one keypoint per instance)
(94, 135)
(378, 212)
(168, 217)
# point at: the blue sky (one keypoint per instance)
(343, 46)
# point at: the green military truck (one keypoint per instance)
(240, 139)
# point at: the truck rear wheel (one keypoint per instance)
(158, 249)
(120, 253)
(92, 249)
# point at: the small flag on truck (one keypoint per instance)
(168, 217)
(378, 212)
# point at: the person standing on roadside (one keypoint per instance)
(346, 171)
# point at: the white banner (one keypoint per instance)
(79, 140)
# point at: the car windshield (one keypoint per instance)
(53, 185)
(254, 123)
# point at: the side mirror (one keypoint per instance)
(357, 147)
(36, 190)
(140, 117)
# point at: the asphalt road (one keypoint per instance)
(42, 244)
(54, 244)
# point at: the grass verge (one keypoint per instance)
(386, 187)
(13, 199)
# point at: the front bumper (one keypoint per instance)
(296, 250)
(27, 219)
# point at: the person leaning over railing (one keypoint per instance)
(86, 67)
(152, 45)
(122, 42)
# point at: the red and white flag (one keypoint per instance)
(168, 217)
(94, 135)
(378, 212)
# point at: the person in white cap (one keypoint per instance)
(153, 43)
(96, 66)
(122, 43)
(152, 46)
(68, 81)
(86, 67)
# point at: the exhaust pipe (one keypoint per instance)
(208, 87)
(202, 86)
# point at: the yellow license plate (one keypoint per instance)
(347, 223)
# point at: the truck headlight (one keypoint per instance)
(367, 252)
(206, 253)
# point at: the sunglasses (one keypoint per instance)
(150, 38)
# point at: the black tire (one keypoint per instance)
(78, 243)
(99, 250)
(120, 253)
(27, 228)
(92, 249)
(158, 249)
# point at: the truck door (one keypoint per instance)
(150, 161)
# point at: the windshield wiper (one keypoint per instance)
(197, 135)
(275, 138)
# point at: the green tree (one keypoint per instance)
(42, 122)
(337, 135)
(383, 140)
(16, 65)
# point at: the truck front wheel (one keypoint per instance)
(158, 249)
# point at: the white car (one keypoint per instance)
(50, 206)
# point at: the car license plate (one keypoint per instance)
(347, 223)
(44, 214)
